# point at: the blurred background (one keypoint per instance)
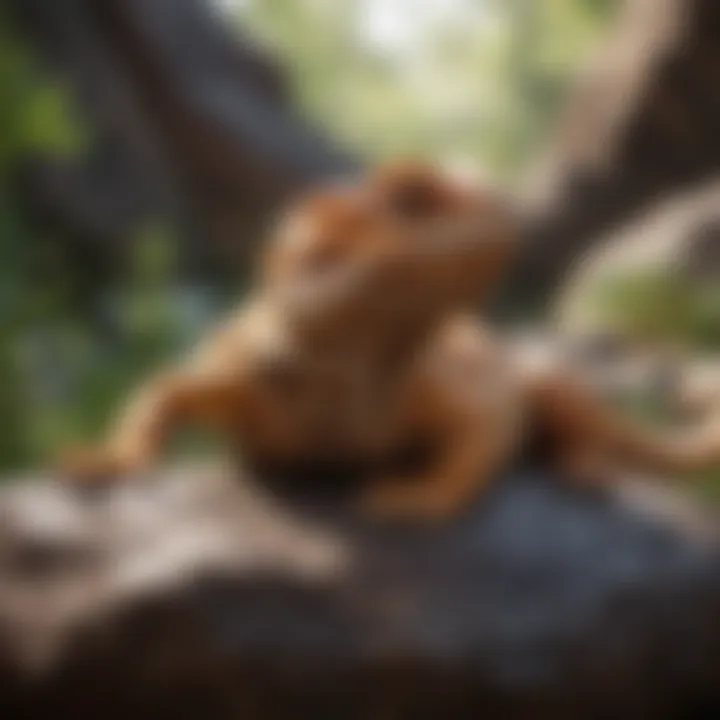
(145, 145)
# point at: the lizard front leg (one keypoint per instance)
(143, 427)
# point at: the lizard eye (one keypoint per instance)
(410, 191)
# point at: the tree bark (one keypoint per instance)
(640, 126)
(189, 123)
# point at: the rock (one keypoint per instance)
(200, 595)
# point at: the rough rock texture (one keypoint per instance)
(193, 596)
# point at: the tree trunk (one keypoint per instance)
(641, 126)
(189, 123)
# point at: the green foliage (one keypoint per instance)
(60, 374)
(661, 305)
(477, 80)
(34, 119)
(73, 376)
(35, 115)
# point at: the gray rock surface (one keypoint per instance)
(196, 595)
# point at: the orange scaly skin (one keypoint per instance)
(358, 340)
